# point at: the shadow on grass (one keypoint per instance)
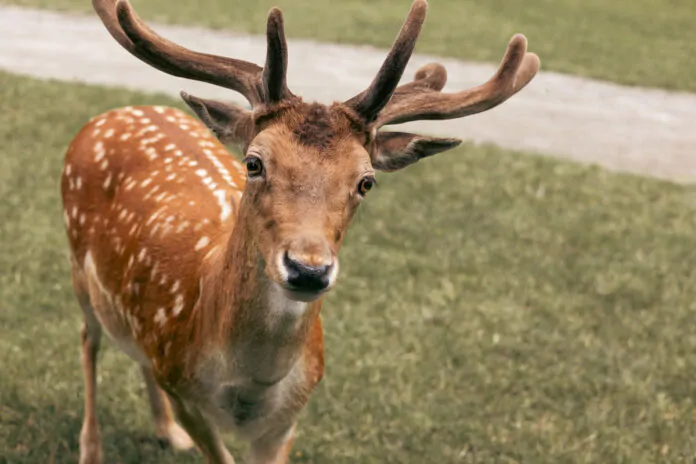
(43, 432)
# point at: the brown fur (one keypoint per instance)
(316, 128)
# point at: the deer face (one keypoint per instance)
(306, 175)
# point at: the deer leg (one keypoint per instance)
(273, 448)
(166, 428)
(203, 434)
(90, 440)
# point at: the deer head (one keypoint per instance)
(310, 165)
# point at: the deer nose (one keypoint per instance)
(306, 277)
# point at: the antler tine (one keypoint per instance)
(430, 77)
(371, 101)
(276, 68)
(416, 101)
(134, 35)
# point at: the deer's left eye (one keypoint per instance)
(254, 166)
(365, 185)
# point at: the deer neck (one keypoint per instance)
(244, 315)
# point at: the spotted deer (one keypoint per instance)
(209, 272)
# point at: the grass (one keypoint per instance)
(636, 42)
(492, 308)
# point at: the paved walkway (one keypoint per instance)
(646, 131)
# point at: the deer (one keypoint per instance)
(209, 269)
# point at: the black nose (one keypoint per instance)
(306, 278)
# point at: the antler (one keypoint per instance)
(370, 102)
(258, 85)
(422, 99)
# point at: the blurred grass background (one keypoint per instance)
(493, 308)
(637, 42)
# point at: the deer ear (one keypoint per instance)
(230, 123)
(395, 150)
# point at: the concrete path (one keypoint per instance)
(646, 131)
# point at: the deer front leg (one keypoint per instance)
(204, 435)
(273, 448)
(166, 428)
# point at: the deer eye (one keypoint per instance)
(366, 184)
(254, 166)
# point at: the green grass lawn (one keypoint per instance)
(646, 42)
(492, 307)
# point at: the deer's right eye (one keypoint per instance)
(254, 166)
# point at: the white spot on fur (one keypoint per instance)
(154, 216)
(160, 317)
(176, 286)
(99, 150)
(202, 243)
(225, 208)
(142, 254)
(108, 134)
(178, 305)
(151, 153)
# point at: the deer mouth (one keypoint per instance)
(304, 296)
